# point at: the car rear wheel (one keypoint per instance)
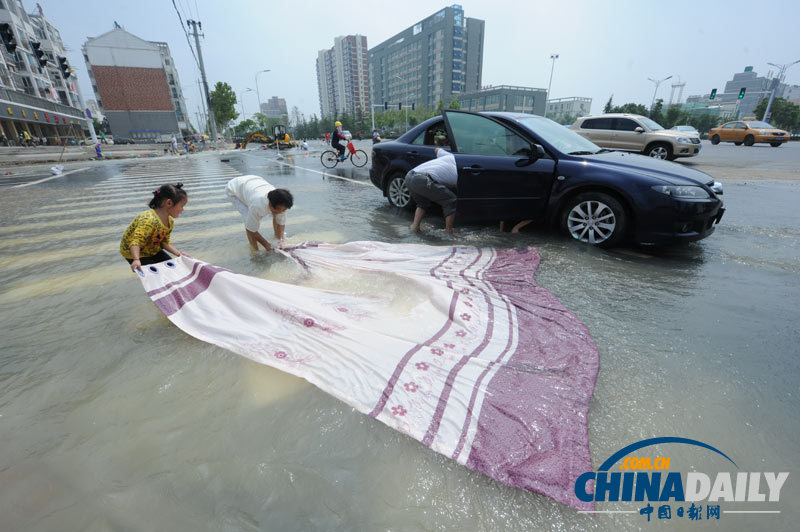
(749, 140)
(397, 193)
(775, 144)
(738, 143)
(660, 151)
(595, 218)
(715, 140)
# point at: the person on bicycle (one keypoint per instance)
(335, 137)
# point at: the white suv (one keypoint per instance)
(636, 133)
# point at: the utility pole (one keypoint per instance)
(194, 25)
(203, 104)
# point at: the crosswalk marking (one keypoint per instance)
(145, 193)
(197, 203)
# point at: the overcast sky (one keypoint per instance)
(605, 46)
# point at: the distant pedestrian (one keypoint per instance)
(98, 151)
(147, 236)
(255, 199)
(175, 145)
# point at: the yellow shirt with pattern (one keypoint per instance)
(148, 232)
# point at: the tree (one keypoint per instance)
(223, 101)
(454, 104)
(609, 105)
(785, 114)
(655, 115)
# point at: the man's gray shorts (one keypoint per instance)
(426, 192)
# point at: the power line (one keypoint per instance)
(188, 41)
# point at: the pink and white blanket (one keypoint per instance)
(479, 364)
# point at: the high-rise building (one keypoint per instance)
(342, 76)
(37, 86)
(275, 108)
(136, 85)
(438, 58)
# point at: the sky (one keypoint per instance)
(605, 47)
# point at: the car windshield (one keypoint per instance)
(563, 139)
(650, 124)
(760, 125)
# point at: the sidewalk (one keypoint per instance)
(52, 154)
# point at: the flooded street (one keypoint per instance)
(111, 418)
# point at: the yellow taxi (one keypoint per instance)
(748, 132)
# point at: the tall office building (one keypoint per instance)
(275, 108)
(136, 85)
(37, 87)
(342, 76)
(438, 58)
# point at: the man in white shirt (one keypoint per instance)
(432, 182)
(255, 199)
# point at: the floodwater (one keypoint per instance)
(113, 419)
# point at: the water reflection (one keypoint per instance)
(106, 408)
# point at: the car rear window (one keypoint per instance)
(596, 123)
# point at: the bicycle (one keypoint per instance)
(330, 158)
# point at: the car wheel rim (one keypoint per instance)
(659, 152)
(398, 192)
(592, 222)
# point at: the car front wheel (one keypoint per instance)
(660, 151)
(595, 218)
(397, 193)
(775, 144)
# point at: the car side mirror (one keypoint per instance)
(639, 129)
(537, 152)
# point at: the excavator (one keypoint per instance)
(280, 139)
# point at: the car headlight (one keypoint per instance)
(684, 140)
(682, 191)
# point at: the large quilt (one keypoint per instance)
(477, 362)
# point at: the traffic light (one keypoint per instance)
(741, 92)
(7, 34)
(713, 94)
(400, 106)
(37, 50)
(64, 66)
(412, 106)
(385, 106)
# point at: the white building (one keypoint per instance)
(38, 91)
(343, 76)
(136, 85)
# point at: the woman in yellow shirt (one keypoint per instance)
(148, 234)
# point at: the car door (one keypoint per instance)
(625, 135)
(498, 178)
(740, 132)
(726, 132)
(421, 149)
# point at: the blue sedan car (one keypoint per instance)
(515, 166)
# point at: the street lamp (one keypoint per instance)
(657, 82)
(258, 96)
(553, 57)
(404, 97)
(241, 102)
(775, 84)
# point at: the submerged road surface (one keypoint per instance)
(112, 418)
